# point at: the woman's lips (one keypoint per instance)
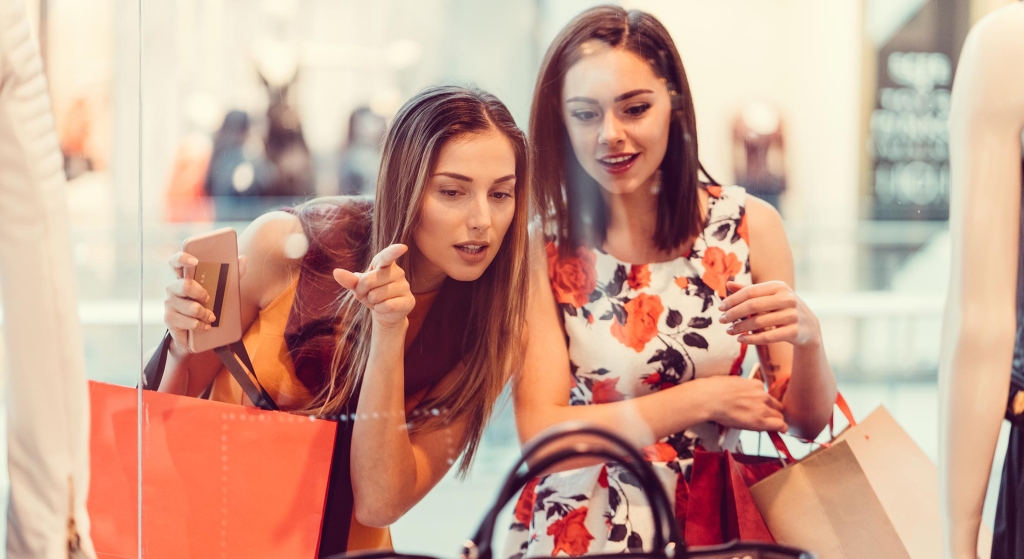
(619, 163)
(472, 253)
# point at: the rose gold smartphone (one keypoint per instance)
(217, 272)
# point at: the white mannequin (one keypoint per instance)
(980, 322)
(47, 398)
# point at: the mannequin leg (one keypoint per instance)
(47, 396)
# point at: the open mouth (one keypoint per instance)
(618, 163)
(471, 249)
(473, 253)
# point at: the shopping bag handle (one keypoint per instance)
(779, 387)
(234, 357)
(667, 540)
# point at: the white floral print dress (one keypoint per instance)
(633, 330)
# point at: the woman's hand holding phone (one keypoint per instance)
(184, 308)
(382, 288)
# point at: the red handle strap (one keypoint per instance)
(778, 389)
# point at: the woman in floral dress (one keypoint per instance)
(646, 291)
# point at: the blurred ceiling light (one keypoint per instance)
(403, 53)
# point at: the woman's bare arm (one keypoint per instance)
(811, 393)
(265, 271)
(541, 390)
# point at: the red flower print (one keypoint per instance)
(719, 268)
(524, 506)
(741, 229)
(639, 277)
(653, 379)
(641, 325)
(683, 282)
(602, 478)
(604, 391)
(573, 279)
(659, 452)
(715, 191)
(571, 534)
(590, 318)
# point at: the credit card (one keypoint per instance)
(213, 277)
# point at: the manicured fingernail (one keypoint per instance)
(722, 318)
(193, 261)
(721, 307)
(728, 330)
(740, 339)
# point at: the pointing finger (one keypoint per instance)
(388, 256)
(345, 278)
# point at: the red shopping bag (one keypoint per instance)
(218, 480)
(719, 507)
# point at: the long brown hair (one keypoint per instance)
(492, 345)
(567, 197)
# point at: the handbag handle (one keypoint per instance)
(233, 356)
(779, 387)
(667, 540)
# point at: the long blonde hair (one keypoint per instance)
(492, 346)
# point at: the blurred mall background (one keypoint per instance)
(834, 111)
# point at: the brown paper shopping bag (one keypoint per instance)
(872, 493)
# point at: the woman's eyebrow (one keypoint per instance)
(633, 93)
(455, 176)
(622, 97)
(464, 178)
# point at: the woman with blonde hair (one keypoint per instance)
(403, 312)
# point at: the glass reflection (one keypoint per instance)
(250, 107)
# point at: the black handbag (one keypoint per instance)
(542, 454)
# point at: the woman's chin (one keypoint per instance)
(620, 187)
(466, 272)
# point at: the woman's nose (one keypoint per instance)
(479, 216)
(611, 129)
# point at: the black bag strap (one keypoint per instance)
(234, 357)
(154, 371)
(667, 540)
(230, 355)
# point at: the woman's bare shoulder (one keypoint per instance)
(273, 245)
(990, 82)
